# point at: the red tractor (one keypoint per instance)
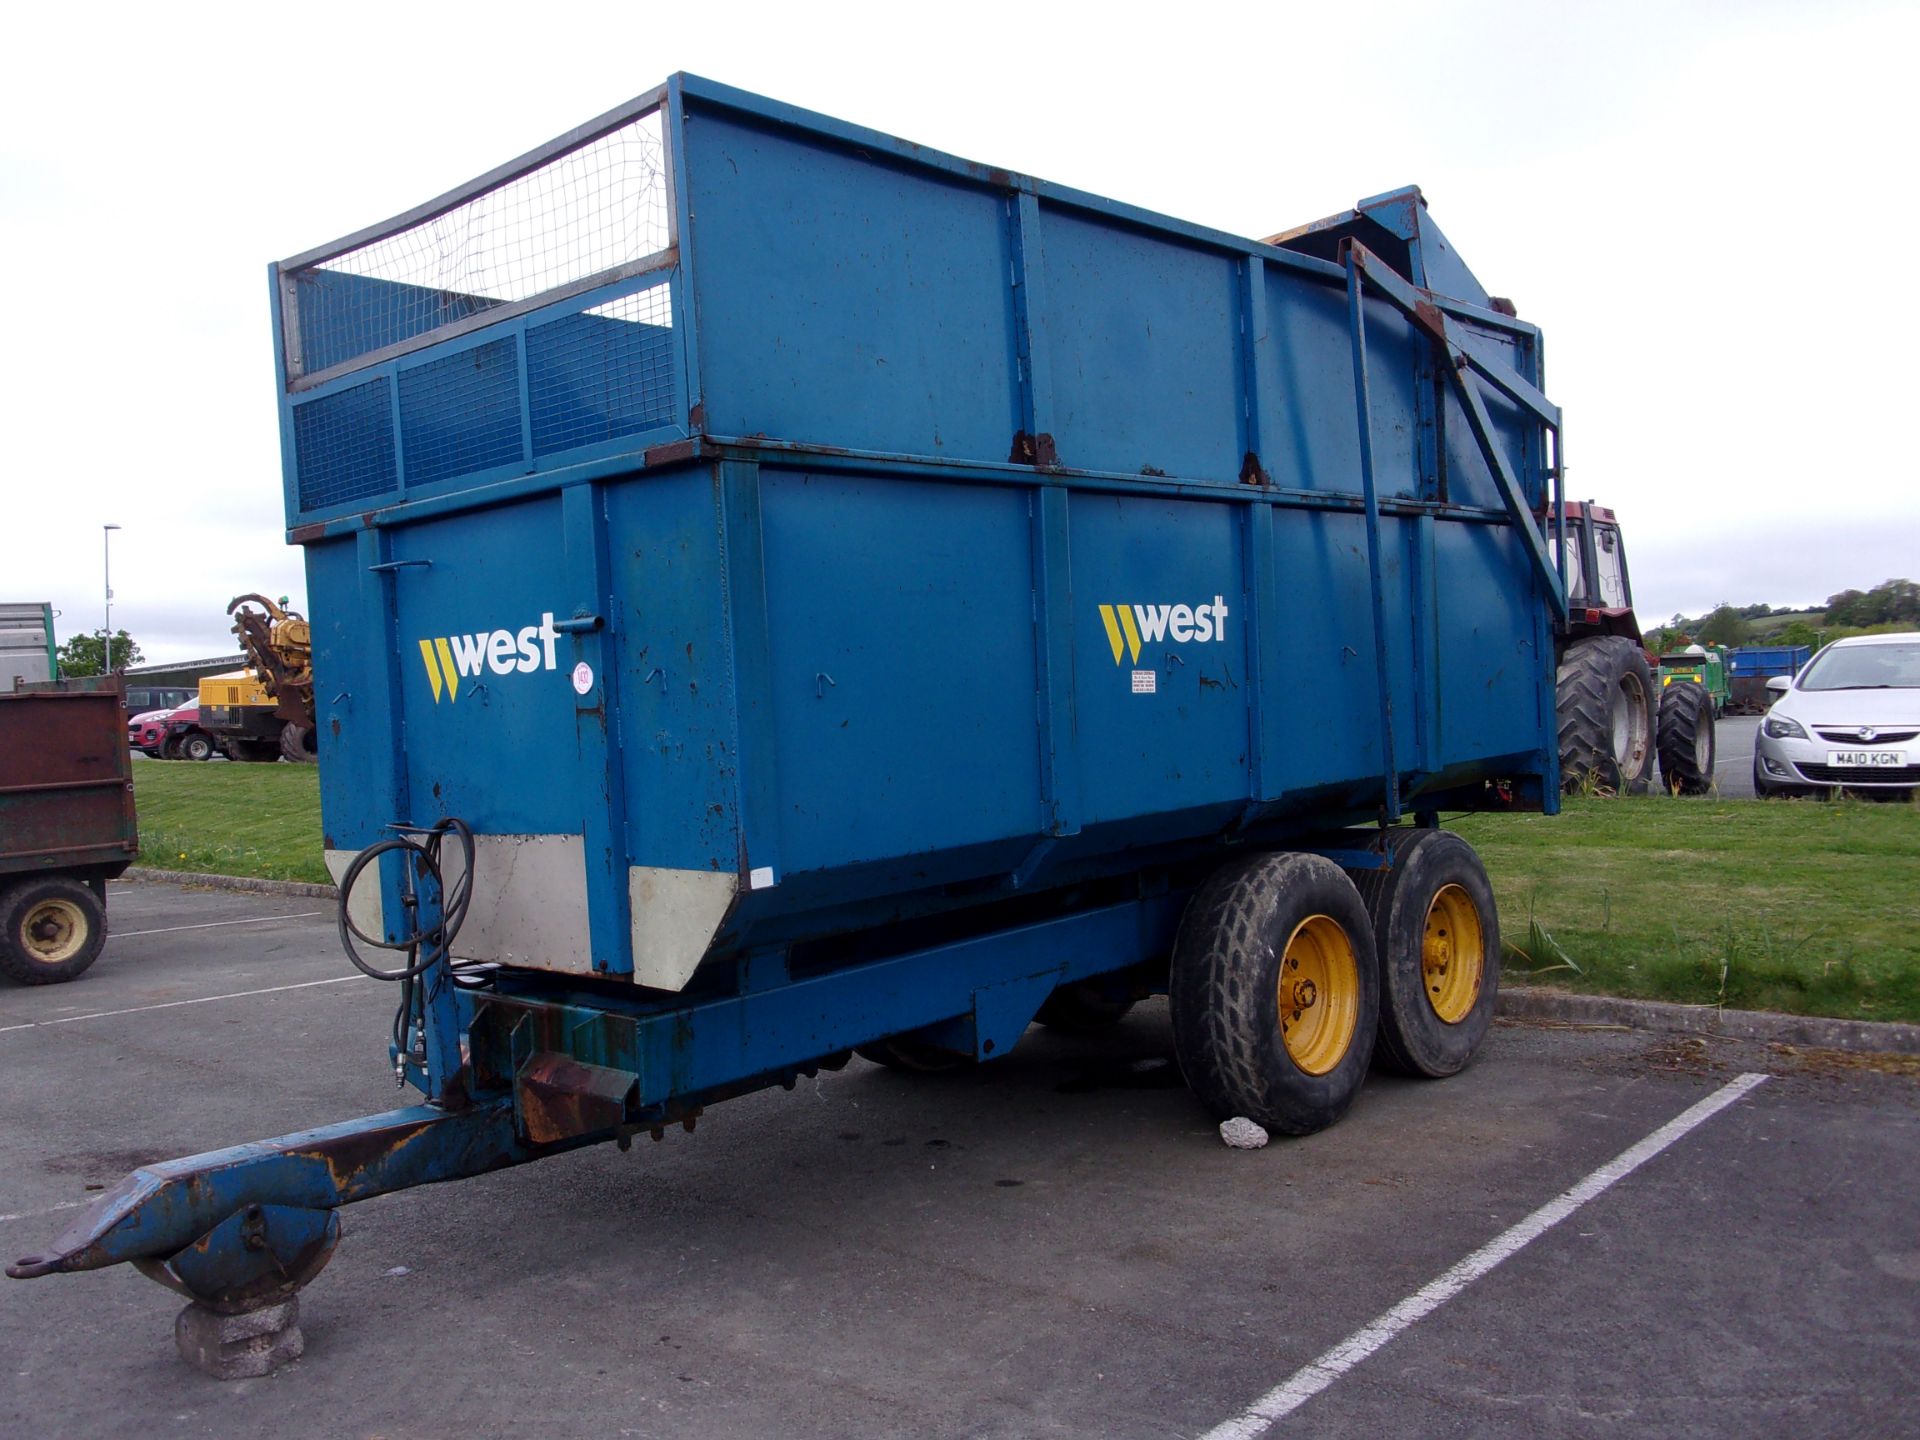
(1610, 725)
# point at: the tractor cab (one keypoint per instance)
(1594, 559)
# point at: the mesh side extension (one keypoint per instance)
(343, 445)
(461, 413)
(582, 214)
(603, 373)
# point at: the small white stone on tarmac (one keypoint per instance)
(1242, 1133)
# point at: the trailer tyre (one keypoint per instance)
(1438, 939)
(1275, 993)
(1686, 738)
(1603, 697)
(51, 929)
(196, 745)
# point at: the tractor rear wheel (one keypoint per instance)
(1603, 695)
(1686, 741)
(1275, 994)
(1438, 939)
(297, 743)
(51, 929)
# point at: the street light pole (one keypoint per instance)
(106, 566)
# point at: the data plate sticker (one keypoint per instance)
(1146, 682)
(1867, 759)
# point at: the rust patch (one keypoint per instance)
(562, 1098)
(697, 417)
(667, 454)
(1036, 450)
(306, 534)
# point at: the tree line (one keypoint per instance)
(1890, 605)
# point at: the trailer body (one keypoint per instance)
(67, 822)
(847, 592)
(896, 525)
(1751, 666)
(27, 650)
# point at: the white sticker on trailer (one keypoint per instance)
(1146, 682)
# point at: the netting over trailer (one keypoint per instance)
(590, 212)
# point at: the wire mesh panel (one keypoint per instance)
(593, 210)
(602, 373)
(461, 412)
(343, 445)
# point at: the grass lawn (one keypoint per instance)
(1812, 908)
(226, 819)
(1807, 907)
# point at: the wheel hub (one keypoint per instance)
(1318, 994)
(1452, 954)
(55, 931)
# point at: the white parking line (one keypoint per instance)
(216, 924)
(50, 1210)
(175, 1004)
(1318, 1374)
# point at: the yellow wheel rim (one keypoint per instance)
(1452, 954)
(1319, 994)
(54, 931)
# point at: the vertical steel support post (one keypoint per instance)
(737, 483)
(1357, 325)
(597, 714)
(1053, 653)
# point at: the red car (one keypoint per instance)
(184, 739)
(146, 730)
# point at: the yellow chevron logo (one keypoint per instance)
(1122, 634)
(441, 673)
(503, 652)
(1129, 626)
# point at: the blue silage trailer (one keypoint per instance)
(784, 592)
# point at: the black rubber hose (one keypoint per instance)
(428, 946)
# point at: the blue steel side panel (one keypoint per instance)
(495, 743)
(1310, 440)
(1493, 701)
(901, 635)
(1183, 744)
(1469, 482)
(676, 678)
(1143, 339)
(1325, 687)
(351, 667)
(847, 303)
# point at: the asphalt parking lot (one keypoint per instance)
(1055, 1244)
(1733, 755)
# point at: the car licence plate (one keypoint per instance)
(1867, 759)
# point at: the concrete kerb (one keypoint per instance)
(193, 879)
(1517, 1002)
(1522, 1002)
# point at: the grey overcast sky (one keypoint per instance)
(1705, 206)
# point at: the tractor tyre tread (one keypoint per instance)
(1685, 708)
(1589, 673)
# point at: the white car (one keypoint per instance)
(1850, 719)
